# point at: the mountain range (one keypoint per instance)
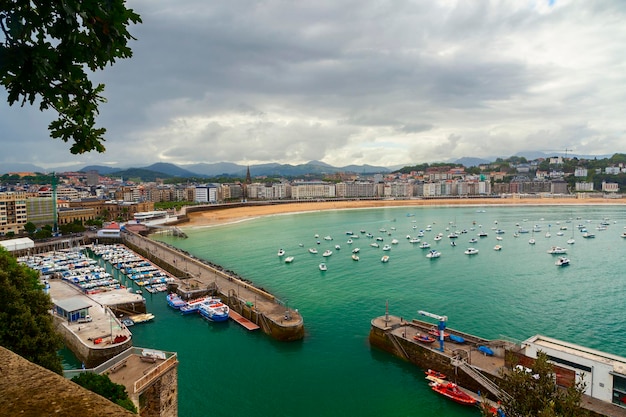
(228, 169)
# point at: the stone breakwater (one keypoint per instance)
(242, 296)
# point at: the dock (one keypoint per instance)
(238, 318)
(262, 309)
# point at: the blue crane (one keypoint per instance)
(441, 327)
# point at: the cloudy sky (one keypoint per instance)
(352, 82)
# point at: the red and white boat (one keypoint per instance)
(435, 376)
(424, 338)
(453, 392)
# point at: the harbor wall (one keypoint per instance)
(422, 357)
(275, 320)
(89, 355)
(160, 398)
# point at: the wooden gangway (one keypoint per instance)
(238, 318)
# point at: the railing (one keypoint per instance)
(154, 373)
(481, 379)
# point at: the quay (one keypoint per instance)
(192, 275)
(101, 336)
(470, 367)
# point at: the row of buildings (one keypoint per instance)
(87, 196)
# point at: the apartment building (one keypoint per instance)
(13, 215)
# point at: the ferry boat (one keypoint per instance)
(214, 310)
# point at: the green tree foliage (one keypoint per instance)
(48, 47)
(30, 228)
(27, 327)
(102, 385)
(535, 394)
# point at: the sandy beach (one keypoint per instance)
(225, 215)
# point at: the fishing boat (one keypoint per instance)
(453, 392)
(562, 261)
(214, 310)
(174, 301)
(323, 267)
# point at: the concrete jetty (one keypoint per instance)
(263, 309)
(466, 363)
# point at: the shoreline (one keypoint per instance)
(230, 215)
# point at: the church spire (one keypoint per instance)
(248, 177)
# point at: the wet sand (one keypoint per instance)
(231, 215)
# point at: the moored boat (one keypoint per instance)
(453, 392)
(174, 301)
(562, 261)
(323, 267)
(289, 259)
(471, 251)
(281, 252)
(432, 254)
(214, 310)
(313, 251)
(327, 253)
(384, 259)
(355, 257)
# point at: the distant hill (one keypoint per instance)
(471, 162)
(171, 170)
(102, 170)
(144, 175)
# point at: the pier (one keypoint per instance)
(254, 304)
(467, 364)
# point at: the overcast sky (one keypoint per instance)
(352, 82)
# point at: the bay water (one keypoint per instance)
(514, 293)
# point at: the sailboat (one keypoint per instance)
(571, 240)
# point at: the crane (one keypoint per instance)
(441, 327)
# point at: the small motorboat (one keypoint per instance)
(327, 253)
(473, 240)
(435, 376)
(453, 392)
(497, 247)
(355, 250)
(423, 338)
(562, 261)
(425, 245)
(313, 251)
(386, 247)
(471, 251)
(374, 245)
(432, 254)
(384, 259)
(557, 250)
(323, 267)
(355, 257)
(337, 247)
(281, 252)
(289, 259)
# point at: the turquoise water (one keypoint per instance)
(516, 293)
